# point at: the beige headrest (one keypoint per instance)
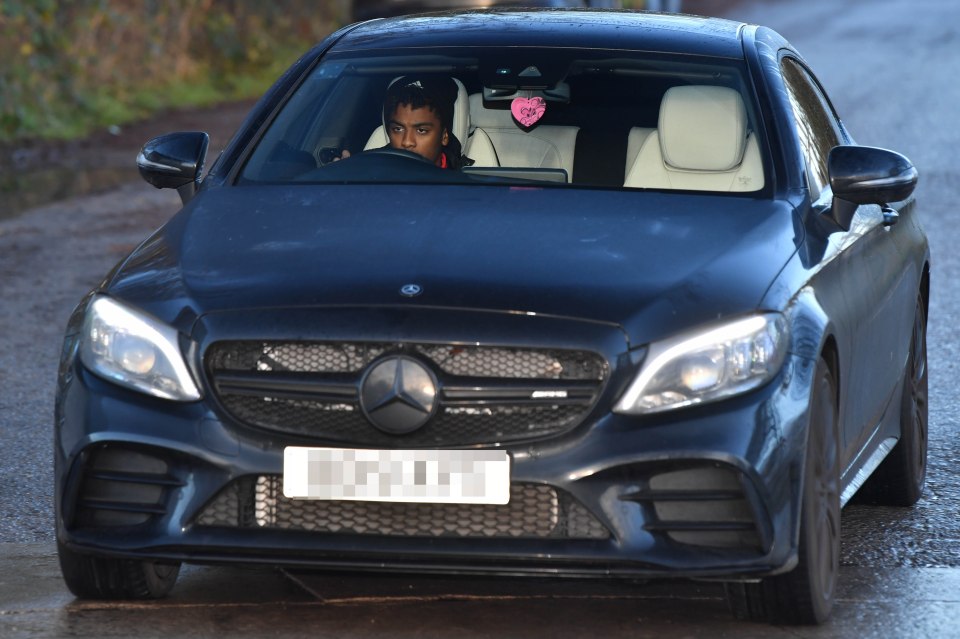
(461, 113)
(702, 128)
(491, 118)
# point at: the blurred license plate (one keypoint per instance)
(428, 476)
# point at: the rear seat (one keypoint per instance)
(543, 146)
(635, 139)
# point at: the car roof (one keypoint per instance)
(573, 28)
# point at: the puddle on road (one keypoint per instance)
(23, 190)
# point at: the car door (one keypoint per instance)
(869, 265)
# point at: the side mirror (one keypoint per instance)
(867, 175)
(174, 161)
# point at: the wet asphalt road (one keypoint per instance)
(890, 67)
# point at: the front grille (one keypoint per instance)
(122, 487)
(534, 511)
(486, 394)
(702, 506)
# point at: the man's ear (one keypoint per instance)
(445, 138)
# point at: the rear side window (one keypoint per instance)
(817, 125)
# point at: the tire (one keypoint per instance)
(805, 594)
(900, 478)
(90, 577)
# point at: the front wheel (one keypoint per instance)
(805, 594)
(90, 577)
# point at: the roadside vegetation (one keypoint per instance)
(69, 67)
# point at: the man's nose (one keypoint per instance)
(408, 141)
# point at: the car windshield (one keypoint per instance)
(560, 118)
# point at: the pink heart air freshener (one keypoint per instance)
(527, 111)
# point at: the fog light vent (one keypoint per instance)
(702, 506)
(123, 487)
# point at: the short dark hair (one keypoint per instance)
(437, 94)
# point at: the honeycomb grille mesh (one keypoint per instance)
(468, 361)
(534, 511)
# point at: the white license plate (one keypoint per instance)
(428, 476)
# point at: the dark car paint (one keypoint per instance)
(783, 254)
(605, 256)
(868, 372)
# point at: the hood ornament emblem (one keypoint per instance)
(410, 290)
(398, 394)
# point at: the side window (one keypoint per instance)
(817, 126)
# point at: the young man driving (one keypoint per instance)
(418, 117)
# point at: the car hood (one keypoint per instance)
(651, 263)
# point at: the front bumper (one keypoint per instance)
(705, 492)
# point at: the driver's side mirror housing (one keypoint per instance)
(175, 161)
(867, 175)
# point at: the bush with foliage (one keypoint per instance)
(70, 66)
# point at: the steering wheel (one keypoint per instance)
(400, 153)
(387, 164)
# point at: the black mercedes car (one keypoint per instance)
(512, 292)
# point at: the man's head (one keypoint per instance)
(418, 115)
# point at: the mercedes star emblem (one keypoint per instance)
(410, 290)
(398, 394)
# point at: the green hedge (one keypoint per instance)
(70, 66)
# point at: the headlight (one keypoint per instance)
(134, 350)
(704, 366)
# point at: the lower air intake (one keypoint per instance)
(534, 511)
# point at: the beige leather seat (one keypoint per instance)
(635, 139)
(544, 146)
(476, 145)
(701, 143)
